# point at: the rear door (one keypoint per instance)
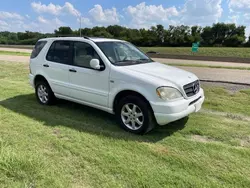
(56, 66)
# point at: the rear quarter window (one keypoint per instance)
(37, 49)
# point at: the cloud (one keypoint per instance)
(192, 12)
(42, 20)
(47, 25)
(201, 12)
(10, 21)
(143, 15)
(107, 16)
(55, 9)
(239, 5)
(3, 25)
(85, 21)
(240, 10)
(233, 19)
(10, 15)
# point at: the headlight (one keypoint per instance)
(168, 93)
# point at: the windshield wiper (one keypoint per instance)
(147, 60)
(131, 62)
(125, 61)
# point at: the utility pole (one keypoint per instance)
(80, 26)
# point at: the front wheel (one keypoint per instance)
(44, 94)
(135, 115)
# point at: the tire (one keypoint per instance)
(44, 94)
(138, 106)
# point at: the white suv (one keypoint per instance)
(114, 76)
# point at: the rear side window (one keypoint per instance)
(37, 49)
(60, 52)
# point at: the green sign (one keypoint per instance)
(195, 47)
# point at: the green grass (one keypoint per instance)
(203, 51)
(70, 145)
(14, 53)
(221, 100)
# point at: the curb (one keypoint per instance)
(201, 58)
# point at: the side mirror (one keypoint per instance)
(95, 64)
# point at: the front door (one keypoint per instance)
(87, 84)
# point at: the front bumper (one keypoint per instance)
(166, 112)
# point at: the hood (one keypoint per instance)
(161, 71)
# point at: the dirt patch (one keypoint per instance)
(229, 116)
(245, 142)
(203, 139)
(159, 149)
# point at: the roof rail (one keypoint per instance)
(88, 38)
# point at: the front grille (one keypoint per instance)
(192, 88)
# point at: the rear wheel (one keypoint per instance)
(135, 115)
(44, 94)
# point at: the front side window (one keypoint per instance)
(83, 54)
(37, 49)
(123, 53)
(60, 52)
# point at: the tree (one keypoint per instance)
(160, 33)
(196, 33)
(219, 34)
(207, 36)
(101, 32)
(116, 30)
(64, 31)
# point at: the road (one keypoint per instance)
(15, 50)
(225, 75)
(21, 59)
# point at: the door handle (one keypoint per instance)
(72, 70)
(45, 65)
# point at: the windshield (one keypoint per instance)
(123, 53)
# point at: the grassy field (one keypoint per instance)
(69, 145)
(203, 51)
(14, 53)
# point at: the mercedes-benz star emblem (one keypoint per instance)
(196, 87)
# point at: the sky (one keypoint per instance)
(48, 15)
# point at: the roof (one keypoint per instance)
(94, 39)
(97, 39)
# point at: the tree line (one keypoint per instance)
(219, 34)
